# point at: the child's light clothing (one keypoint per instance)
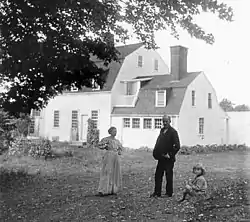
(198, 185)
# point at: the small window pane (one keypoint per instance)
(74, 123)
(193, 98)
(94, 117)
(161, 98)
(201, 126)
(139, 61)
(158, 123)
(147, 123)
(136, 123)
(126, 122)
(156, 65)
(209, 100)
(56, 118)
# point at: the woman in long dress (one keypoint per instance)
(110, 177)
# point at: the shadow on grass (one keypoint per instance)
(15, 179)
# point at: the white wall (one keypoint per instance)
(214, 119)
(136, 138)
(130, 70)
(239, 128)
(84, 103)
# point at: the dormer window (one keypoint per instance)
(160, 98)
(139, 61)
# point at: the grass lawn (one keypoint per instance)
(63, 189)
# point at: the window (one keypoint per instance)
(129, 88)
(126, 122)
(147, 123)
(193, 98)
(74, 123)
(210, 100)
(139, 61)
(158, 123)
(136, 123)
(94, 117)
(56, 118)
(156, 65)
(32, 126)
(160, 98)
(201, 126)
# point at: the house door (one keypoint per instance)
(84, 128)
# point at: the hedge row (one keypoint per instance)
(21, 146)
(187, 150)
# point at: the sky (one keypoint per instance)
(226, 62)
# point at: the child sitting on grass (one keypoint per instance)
(198, 185)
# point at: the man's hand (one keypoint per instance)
(166, 156)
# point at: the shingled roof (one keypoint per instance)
(114, 67)
(145, 104)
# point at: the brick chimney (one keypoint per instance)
(178, 62)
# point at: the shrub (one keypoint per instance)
(7, 126)
(92, 134)
(19, 147)
(22, 125)
(187, 150)
(40, 148)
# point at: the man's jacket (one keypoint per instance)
(167, 143)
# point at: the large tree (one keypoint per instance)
(46, 44)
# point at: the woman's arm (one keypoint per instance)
(119, 148)
(103, 144)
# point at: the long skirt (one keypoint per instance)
(110, 177)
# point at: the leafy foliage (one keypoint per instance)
(241, 108)
(92, 134)
(47, 45)
(7, 126)
(40, 148)
(21, 146)
(228, 106)
(22, 125)
(187, 150)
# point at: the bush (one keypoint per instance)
(187, 150)
(40, 148)
(22, 125)
(7, 126)
(92, 134)
(19, 147)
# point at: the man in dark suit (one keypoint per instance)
(166, 147)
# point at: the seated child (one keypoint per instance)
(198, 185)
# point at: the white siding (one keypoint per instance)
(214, 119)
(239, 128)
(84, 103)
(136, 138)
(130, 70)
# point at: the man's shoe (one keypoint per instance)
(168, 195)
(182, 200)
(155, 195)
